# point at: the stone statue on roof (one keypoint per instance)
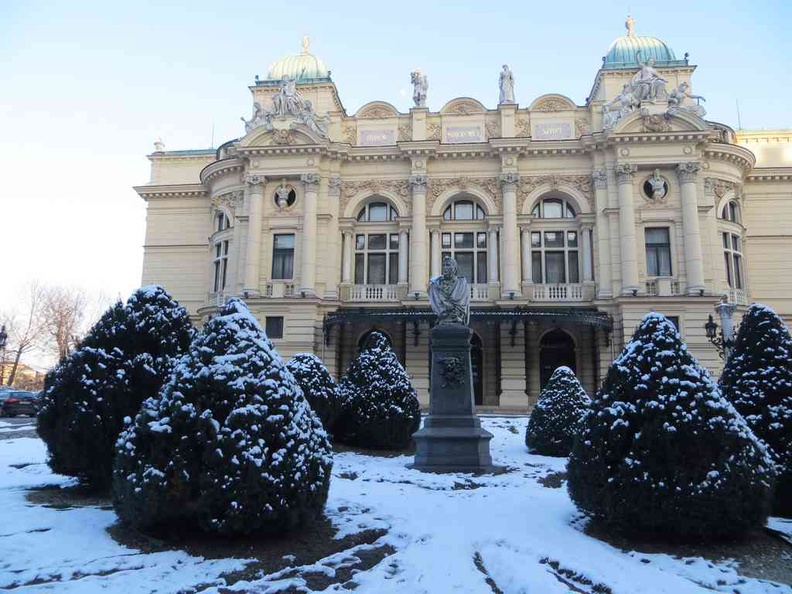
(677, 97)
(420, 86)
(624, 103)
(647, 84)
(506, 86)
(449, 295)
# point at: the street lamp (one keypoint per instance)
(723, 340)
(3, 341)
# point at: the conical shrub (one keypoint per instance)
(556, 419)
(662, 452)
(230, 444)
(318, 386)
(757, 379)
(380, 408)
(124, 359)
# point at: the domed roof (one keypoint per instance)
(621, 53)
(303, 67)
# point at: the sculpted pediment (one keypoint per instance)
(552, 102)
(377, 110)
(641, 121)
(463, 106)
(285, 133)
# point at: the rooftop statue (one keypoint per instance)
(677, 97)
(449, 295)
(647, 84)
(288, 100)
(506, 86)
(625, 102)
(420, 86)
(261, 117)
(308, 117)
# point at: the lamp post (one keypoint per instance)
(723, 340)
(3, 341)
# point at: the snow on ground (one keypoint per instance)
(451, 533)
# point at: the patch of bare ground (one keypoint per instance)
(271, 553)
(553, 480)
(759, 554)
(59, 497)
(479, 563)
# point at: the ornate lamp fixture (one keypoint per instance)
(723, 340)
(3, 342)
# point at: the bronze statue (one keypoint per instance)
(449, 295)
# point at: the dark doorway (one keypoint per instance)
(556, 349)
(364, 338)
(477, 367)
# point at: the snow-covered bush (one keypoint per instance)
(556, 418)
(230, 444)
(124, 359)
(318, 386)
(379, 406)
(757, 379)
(662, 452)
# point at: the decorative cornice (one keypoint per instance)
(687, 171)
(229, 200)
(770, 174)
(624, 172)
(349, 189)
(254, 179)
(220, 168)
(171, 191)
(310, 180)
(600, 179)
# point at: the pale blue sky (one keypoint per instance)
(88, 86)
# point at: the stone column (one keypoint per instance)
(308, 260)
(511, 245)
(492, 256)
(255, 200)
(346, 265)
(403, 256)
(605, 284)
(687, 173)
(527, 272)
(586, 252)
(418, 278)
(435, 257)
(629, 258)
(332, 264)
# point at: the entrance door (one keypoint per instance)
(477, 365)
(556, 349)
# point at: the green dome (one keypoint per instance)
(303, 67)
(621, 53)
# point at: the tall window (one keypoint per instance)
(377, 212)
(470, 252)
(377, 259)
(220, 266)
(553, 208)
(658, 251)
(732, 254)
(221, 222)
(554, 257)
(731, 212)
(464, 210)
(283, 257)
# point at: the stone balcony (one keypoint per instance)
(561, 293)
(738, 296)
(663, 287)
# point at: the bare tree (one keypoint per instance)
(25, 325)
(63, 312)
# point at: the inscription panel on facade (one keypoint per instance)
(552, 131)
(457, 134)
(376, 137)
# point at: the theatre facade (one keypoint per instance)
(569, 221)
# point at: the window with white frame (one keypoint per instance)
(376, 258)
(469, 249)
(658, 251)
(732, 254)
(283, 257)
(554, 257)
(221, 222)
(464, 210)
(377, 212)
(220, 266)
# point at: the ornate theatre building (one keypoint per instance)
(570, 222)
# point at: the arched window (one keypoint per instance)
(377, 212)
(553, 208)
(221, 221)
(464, 210)
(731, 212)
(556, 349)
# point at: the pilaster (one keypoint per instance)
(687, 174)
(605, 283)
(308, 261)
(511, 244)
(418, 256)
(629, 258)
(254, 187)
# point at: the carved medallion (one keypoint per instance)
(656, 123)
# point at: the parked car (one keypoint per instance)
(19, 402)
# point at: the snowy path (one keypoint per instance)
(447, 531)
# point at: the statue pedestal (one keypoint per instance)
(452, 439)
